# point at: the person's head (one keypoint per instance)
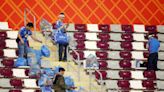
(61, 70)
(61, 16)
(29, 26)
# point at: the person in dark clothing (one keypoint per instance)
(59, 83)
(153, 47)
(62, 27)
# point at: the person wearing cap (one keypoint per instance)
(62, 27)
(22, 40)
(153, 47)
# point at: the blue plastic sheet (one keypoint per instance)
(21, 62)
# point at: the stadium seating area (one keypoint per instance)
(118, 49)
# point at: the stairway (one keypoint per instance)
(71, 70)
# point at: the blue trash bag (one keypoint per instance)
(35, 70)
(46, 89)
(69, 81)
(56, 69)
(45, 80)
(49, 72)
(45, 51)
(61, 38)
(20, 62)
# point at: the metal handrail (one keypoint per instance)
(78, 62)
(27, 11)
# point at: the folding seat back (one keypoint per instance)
(160, 84)
(161, 37)
(79, 36)
(71, 27)
(124, 84)
(161, 55)
(16, 83)
(15, 90)
(2, 44)
(149, 84)
(103, 73)
(151, 28)
(80, 45)
(125, 55)
(149, 74)
(103, 64)
(104, 27)
(138, 28)
(125, 74)
(115, 37)
(3, 34)
(126, 64)
(114, 55)
(104, 36)
(80, 27)
(7, 72)
(127, 37)
(111, 84)
(92, 27)
(102, 54)
(8, 62)
(127, 28)
(115, 46)
(91, 36)
(102, 45)
(126, 45)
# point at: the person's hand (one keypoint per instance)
(22, 42)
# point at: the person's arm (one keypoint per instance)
(35, 39)
(19, 36)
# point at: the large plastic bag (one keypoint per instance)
(20, 62)
(69, 82)
(49, 72)
(34, 70)
(91, 62)
(45, 51)
(61, 38)
(45, 80)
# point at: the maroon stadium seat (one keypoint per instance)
(79, 36)
(80, 45)
(15, 90)
(149, 84)
(54, 26)
(103, 27)
(125, 74)
(125, 64)
(3, 34)
(102, 45)
(37, 90)
(127, 36)
(8, 62)
(104, 36)
(2, 44)
(150, 74)
(124, 84)
(81, 53)
(27, 72)
(104, 74)
(151, 28)
(146, 54)
(126, 45)
(103, 64)
(7, 72)
(1, 53)
(17, 83)
(102, 54)
(127, 28)
(125, 54)
(81, 27)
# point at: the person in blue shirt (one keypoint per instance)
(153, 47)
(22, 40)
(62, 27)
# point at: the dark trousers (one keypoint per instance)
(152, 61)
(61, 49)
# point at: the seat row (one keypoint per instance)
(115, 28)
(8, 34)
(137, 55)
(130, 74)
(18, 83)
(134, 84)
